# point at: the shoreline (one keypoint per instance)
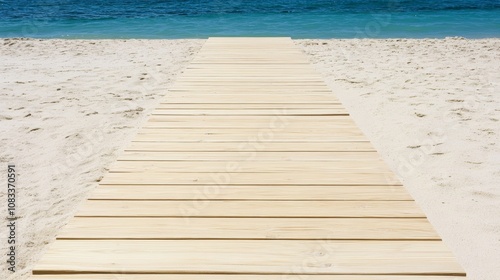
(293, 38)
(429, 106)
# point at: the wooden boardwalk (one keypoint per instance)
(249, 169)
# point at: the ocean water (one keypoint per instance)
(157, 19)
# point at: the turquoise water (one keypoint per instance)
(200, 19)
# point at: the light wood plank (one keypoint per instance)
(278, 179)
(243, 122)
(271, 98)
(245, 92)
(244, 106)
(251, 156)
(247, 67)
(249, 256)
(207, 98)
(236, 277)
(245, 74)
(249, 228)
(249, 131)
(252, 112)
(243, 147)
(249, 62)
(249, 192)
(271, 125)
(226, 208)
(263, 136)
(284, 86)
(249, 82)
(236, 134)
(247, 89)
(293, 68)
(346, 166)
(306, 120)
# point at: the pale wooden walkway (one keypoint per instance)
(250, 169)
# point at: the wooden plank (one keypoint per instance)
(236, 277)
(262, 137)
(271, 122)
(256, 50)
(245, 92)
(237, 134)
(228, 208)
(250, 57)
(249, 74)
(249, 228)
(244, 135)
(249, 131)
(223, 87)
(249, 192)
(220, 98)
(245, 74)
(250, 156)
(245, 166)
(243, 147)
(252, 112)
(250, 79)
(276, 125)
(271, 98)
(240, 51)
(255, 178)
(272, 66)
(197, 70)
(246, 55)
(250, 256)
(239, 55)
(244, 106)
(306, 120)
(248, 62)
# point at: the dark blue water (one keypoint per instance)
(201, 19)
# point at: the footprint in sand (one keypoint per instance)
(3, 117)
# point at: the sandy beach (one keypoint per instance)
(430, 107)
(67, 110)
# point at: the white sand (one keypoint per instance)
(67, 109)
(431, 108)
